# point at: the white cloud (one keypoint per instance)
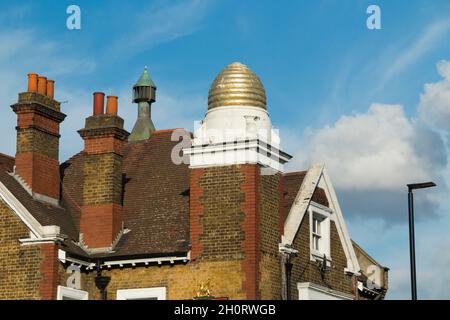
(434, 107)
(376, 150)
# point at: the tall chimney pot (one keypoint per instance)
(111, 105)
(99, 102)
(42, 85)
(50, 88)
(32, 82)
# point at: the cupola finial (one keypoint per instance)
(144, 94)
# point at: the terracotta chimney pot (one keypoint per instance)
(111, 105)
(32, 82)
(99, 102)
(42, 85)
(50, 88)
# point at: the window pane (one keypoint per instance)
(316, 243)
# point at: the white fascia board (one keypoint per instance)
(145, 261)
(352, 261)
(63, 257)
(301, 204)
(38, 233)
(29, 241)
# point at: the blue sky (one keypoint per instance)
(372, 105)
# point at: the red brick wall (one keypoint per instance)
(40, 172)
(100, 145)
(100, 224)
(49, 271)
(195, 213)
(250, 225)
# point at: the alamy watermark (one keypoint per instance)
(73, 21)
(373, 22)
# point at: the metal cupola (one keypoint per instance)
(144, 94)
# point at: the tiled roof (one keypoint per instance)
(155, 199)
(292, 183)
(45, 214)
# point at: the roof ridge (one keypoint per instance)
(167, 130)
(72, 157)
(7, 156)
(294, 173)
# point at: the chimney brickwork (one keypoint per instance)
(104, 139)
(37, 151)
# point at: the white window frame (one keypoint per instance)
(324, 214)
(71, 293)
(130, 294)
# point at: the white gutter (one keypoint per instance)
(132, 262)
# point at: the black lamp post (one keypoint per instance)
(412, 249)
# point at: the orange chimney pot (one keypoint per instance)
(111, 105)
(99, 102)
(32, 82)
(50, 88)
(42, 85)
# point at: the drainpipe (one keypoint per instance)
(101, 282)
(288, 268)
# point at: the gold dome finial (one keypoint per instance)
(236, 85)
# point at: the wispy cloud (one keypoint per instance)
(158, 23)
(407, 55)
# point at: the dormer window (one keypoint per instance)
(319, 219)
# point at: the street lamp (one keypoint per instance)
(412, 249)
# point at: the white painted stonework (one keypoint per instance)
(236, 135)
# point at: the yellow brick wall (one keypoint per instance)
(19, 265)
(181, 280)
(304, 270)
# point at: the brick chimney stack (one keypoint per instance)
(104, 139)
(37, 154)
